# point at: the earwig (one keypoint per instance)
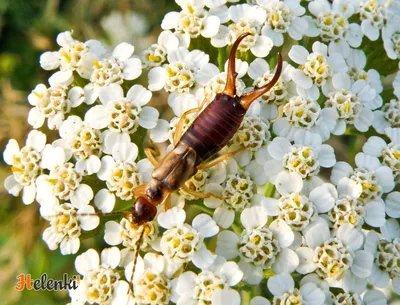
(207, 135)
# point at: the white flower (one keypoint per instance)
(292, 163)
(391, 39)
(66, 225)
(121, 115)
(371, 297)
(194, 20)
(284, 291)
(201, 288)
(389, 152)
(316, 68)
(352, 103)
(179, 74)
(388, 116)
(332, 22)
(115, 69)
(201, 181)
(238, 192)
(122, 174)
(182, 242)
(374, 178)
(283, 17)
(53, 103)
(373, 15)
(152, 280)
(84, 142)
(127, 233)
(386, 255)
(101, 283)
(25, 165)
(259, 246)
(334, 257)
(246, 19)
(297, 209)
(156, 54)
(304, 116)
(73, 55)
(63, 181)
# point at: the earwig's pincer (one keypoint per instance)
(247, 99)
(230, 88)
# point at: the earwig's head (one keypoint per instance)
(143, 211)
(230, 88)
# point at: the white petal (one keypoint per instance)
(104, 200)
(384, 175)
(89, 166)
(262, 47)
(301, 79)
(279, 284)
(211, 26)
(259, 301)
(286, 262)
(172, 218)
(36, 140)
(125, 152)
(139, 95)
(298, 54)
(170, 21)
(203, 258)
(12, 148)
(282, 232)
(253, 217)
(352, 238)
(362, 263)
(157, 78)
(132, 68)
(29, 193)
(227, 243)
(226, 296)
(50, 60)
(148, 117)
(316, 233)
(97, 117)
(205, 225)
(35, 118)
(61, 77)
(88, 223)
(393, 204)
(123, 51)
(375, 211)
(251, 274)
(271, 206)
(112, 233)
(312, 294)
(287, 182)
(112, 92)
(324, 197)
(224, 217)
(378, 277)
(365, 161)
(374, 297)
(340, 170)
(87, 261)
(82, 196)
(12, 186)
(232, 273)
(391, 229)
(279, 147)
(110, 257)
(306, 262)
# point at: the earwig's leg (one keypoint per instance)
(139, 190)
(201, 194)
(280, 113)
(180, 125)
(219, 159)
(100, 214)
(150, 154)
(167, 204)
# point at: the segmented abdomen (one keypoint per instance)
(214, 127)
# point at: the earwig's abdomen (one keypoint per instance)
(214, 127)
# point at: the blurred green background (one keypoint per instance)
(27, 29)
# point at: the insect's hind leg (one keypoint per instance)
(151, 155)
(201, 194)
(220, 159)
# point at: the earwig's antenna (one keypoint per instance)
(230, 88)
(248, 98)
(137, 246)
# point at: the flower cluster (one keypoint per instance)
(278, 203)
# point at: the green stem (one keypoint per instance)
(221, 59)
(269, 190)
(245, 296)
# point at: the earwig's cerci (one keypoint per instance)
(207, 135)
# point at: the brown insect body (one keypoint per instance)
(207, 135)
